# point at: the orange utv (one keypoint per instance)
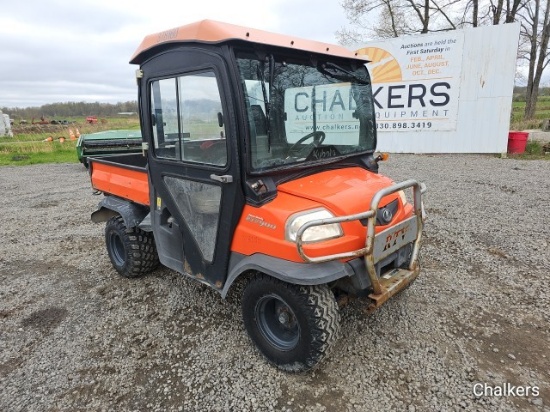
(259, 164)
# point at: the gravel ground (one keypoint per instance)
(76, 336)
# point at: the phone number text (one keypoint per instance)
(403, 125)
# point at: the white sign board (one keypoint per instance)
(449, 92)
(417, 81)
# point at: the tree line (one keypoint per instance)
(380, 19)
(70, 109)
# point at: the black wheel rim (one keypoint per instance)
(118, 251)
(277, 322)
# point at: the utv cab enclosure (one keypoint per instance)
(258, 164)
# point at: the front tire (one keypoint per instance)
(132, 251)
(293, 326)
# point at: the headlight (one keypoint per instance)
(315, 233)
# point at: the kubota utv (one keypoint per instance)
(259, 164)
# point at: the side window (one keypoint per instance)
(165, 117)
(187, 118)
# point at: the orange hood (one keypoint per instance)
(343, 191)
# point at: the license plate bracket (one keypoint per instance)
(394, 238)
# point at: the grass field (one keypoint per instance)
(27, 153)
(29, 146)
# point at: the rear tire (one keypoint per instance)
(293, 326)
(132, 251)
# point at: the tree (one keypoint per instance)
(394, 18)
(60, 111)
(490, 12)
(359, 12)
(535, 33)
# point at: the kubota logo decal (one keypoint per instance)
(257, 220)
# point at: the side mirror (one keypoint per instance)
(220, 119)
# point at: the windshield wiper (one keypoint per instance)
(266, 96)
(349, 75)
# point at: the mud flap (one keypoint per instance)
(132, 213)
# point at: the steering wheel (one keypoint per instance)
(315, 135)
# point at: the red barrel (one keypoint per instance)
(517, 142)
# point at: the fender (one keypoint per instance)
(290, 272)
(132, 213)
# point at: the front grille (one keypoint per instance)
(380, 220)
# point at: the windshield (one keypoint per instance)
(301, 112)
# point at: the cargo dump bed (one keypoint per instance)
(124, 176)
(108, 143)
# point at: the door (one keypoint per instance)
(196, 199)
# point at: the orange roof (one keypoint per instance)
(210, 31)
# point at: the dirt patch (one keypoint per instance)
(45, 319)
(46, 205)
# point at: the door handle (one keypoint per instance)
(222, 179)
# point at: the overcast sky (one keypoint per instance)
(67, 50)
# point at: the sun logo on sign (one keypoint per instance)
(383, 67)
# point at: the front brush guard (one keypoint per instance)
(378, 246)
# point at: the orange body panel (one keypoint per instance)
(342, 192)
(210, 31)
(123, 182)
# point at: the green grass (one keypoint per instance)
(542, 113)
(28, 153)
(534, 150)
(28, 145)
